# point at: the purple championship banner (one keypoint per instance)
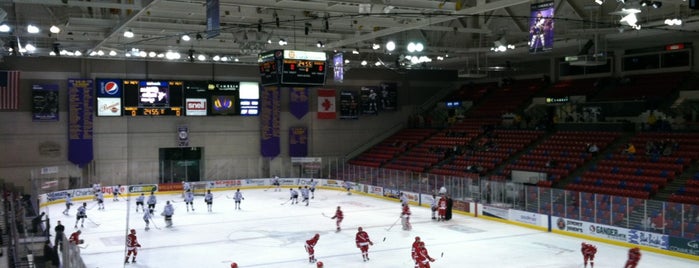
(298, 142)
(45, 103)
(80, 120)
(298, 101)
(270, 111)
(541, 27)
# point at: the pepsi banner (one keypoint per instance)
(80, 121)
(298, 142)
(109, 92)
(270, 112)
(45, 102)
(298, 101)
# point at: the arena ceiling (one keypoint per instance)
(462, 32)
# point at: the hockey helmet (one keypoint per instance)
(359, 229)
(234, 265)
(417, 238)
(319, 264)
(133, 231)
(317, 236)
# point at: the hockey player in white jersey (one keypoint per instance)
(304, 193)
(100, 200)
(69, 203)
(189, 200)
(294, 196)
(238, 197)
(139, 202)
(209, 200)
(276, 184)
(152, 201)
(168, 211)
(313, 188)
(147, 216)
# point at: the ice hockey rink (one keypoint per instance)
(269, 233)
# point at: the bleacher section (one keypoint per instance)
(392, 146)
(580, 87)
(646, 86)
(568, 149)
(471, 92)
(506, 99)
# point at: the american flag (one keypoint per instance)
(9, 90)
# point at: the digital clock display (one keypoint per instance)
(303, 72)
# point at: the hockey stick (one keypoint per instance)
(92, 206)
(394, 224)
(83, 247)
(93, 222)
(154, 225)
(287, 201)
(227, 196)
(323, 213)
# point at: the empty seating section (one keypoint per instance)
(564, 151)
(471, 92)
(578, 87)
(391, 147)
(656, 86)
(506, 99)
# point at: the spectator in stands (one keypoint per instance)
(551, 163)
(592, 149)
(50, 255)
(630, 149)
(652, 121)
(658, 223)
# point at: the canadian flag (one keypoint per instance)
(326, 104)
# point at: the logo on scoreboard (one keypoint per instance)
(195, 107)
(109, 88)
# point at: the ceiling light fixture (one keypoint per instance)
(320, 44)
(54, 29)
(390, 45)
(128, 33)
(4, 28)
(186, 38)
(32, 29)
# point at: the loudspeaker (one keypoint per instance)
(694, 4)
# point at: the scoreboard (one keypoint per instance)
(292, 67)
(153, 98)
(117, 97)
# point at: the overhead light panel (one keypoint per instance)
(186, 38)
(4, 28)
(128, 33)
(320, 44)
(390, 45)
(32, 29)
(599, 2)
(657, 4)
(54, 29)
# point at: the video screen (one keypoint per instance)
(224, 105)
(153, 94)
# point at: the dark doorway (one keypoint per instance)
(180, 164)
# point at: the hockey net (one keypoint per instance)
(199, 188)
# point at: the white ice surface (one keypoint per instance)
(266, 233)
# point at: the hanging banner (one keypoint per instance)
(213, 20)
(80, 120)
(298, 101)
(270, 110)
(388, 96)
(45, 102)
(326, 104)
(348, 105)
(298, 142)
(370, 100)
(541, 27)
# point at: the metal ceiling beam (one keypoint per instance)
(122, 24)
(426, 22)
(72, 3)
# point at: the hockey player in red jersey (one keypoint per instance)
(131, 245)
(442, 208)
(338, 217)
(363, 242)
(415, 249)
(310, 244)
(588, 251)
(405, 218)
(634, 257)
(423, 257)
(75, 238)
